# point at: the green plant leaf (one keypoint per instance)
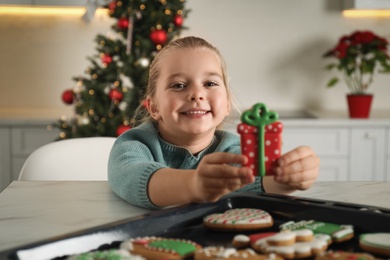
(332, 82)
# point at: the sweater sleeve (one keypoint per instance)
(131, 165)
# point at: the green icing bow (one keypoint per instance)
(260, 116)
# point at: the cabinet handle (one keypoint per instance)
(368, 135)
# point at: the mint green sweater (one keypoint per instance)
(140, 152)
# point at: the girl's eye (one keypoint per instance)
(178, 86)
(211, 83)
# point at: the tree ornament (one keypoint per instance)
(144, 62)
(112, 6)
(115, 95)
(178, 20)
(123, 23)
(106, 58)
(121, 129)
(122, 106)
(67, 96)
(159, 37)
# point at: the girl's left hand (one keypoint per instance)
(298, 168)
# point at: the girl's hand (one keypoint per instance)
(298, 169)
(215, 176)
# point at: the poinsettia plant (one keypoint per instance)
(358, 57)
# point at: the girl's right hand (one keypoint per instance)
(216, 176)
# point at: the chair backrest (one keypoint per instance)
(70, 159)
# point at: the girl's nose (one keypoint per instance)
(196, 95)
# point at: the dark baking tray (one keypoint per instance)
(186, 222)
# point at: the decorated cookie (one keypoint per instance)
(160, 248)
(216, 253)
(239, 219)
(376, 243)
(112, 254)
(261, 138)
(241, 241)
(290, 244)
(338, 233)
(342, 255)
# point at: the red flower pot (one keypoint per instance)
(359, 105)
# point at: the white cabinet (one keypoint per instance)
(5, 174)
(17, 142)
(368, 154)
(347, 153)
(388, 155)
(331, 145)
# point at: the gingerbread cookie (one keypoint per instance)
(342, 255)
(338, 233)
(239, 219)
(107, 254)
(160, 248)
(290, 244)
(216, 253)
(376, 243)
(261, 138)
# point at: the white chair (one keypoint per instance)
(70, 159)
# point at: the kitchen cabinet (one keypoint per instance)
(348, 153)
(388, 155)
(368, 154)
(5, 176)
(330, 143)
(17, 142)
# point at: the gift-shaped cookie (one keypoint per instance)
(261, 138)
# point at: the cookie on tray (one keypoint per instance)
(106, 254)
(160, 248)
(290, 244)
(376, 243)
(343, 255)
(216, 253)
(239, 219)
(338, 233)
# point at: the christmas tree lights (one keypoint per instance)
(106, 98)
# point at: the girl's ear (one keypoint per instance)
(152, 109)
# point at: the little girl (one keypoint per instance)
(177, 155)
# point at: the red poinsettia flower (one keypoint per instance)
(359, 55)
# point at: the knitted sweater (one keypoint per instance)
(140, 152)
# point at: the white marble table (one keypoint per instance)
(31, 211)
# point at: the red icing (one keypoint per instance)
(258, 236)
(273, 145)
(141, 241)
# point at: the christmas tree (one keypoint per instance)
(105, 100)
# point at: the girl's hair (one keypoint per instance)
(154, 70)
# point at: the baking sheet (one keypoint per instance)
(186, 222)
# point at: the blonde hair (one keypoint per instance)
(154, 69)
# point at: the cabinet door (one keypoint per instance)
(368, 154)
(387, 177)
(330, 144)
(5, 171)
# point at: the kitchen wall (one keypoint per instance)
(273, 50)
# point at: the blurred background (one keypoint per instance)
(273, 50)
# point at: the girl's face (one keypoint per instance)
(191, 97)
